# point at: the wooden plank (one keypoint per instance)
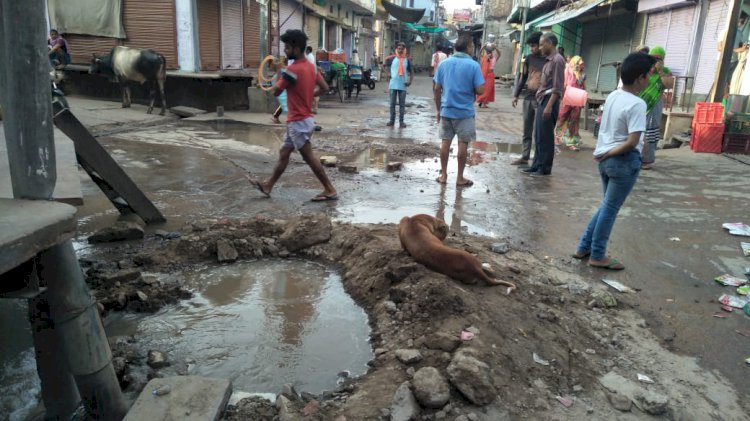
(104, 170)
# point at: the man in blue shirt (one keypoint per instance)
(457, 82)
(401, 77)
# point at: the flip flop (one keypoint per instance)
(580, 256)
(468, 183)
(258, 186)
(324, 198)
(613, 264)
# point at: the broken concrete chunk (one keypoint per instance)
(157, 359)
(408, 356)
(349, 168)
(183, 111)
(328, 160)
(500, 248)
(620, 402)
(430, 388)
(403, 405)
(472, 378)
(305, 231)
(120, 231)
(225, 251)
(120, 276)
(394, 166)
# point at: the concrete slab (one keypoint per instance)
(30, 226)
(68, 186)
(189, 398)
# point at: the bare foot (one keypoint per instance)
(275, 120)
(442, 179)
(261, 186)
(465, 182)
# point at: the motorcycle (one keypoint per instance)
(368, 78)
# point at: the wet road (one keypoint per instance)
(197, 170)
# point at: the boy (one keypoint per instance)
(618, 152)
(301, 82)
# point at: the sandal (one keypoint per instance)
(613, 264)
(578, 255)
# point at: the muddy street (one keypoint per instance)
(668, 235)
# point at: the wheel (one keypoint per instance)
(371, 84)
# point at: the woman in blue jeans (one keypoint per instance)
(618, 152)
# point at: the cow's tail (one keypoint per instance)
(162, 68)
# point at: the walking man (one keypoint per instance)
(401, 77)
(457, 82)
(301, 82)
(531, 77)
(548, 100)
(618, 151)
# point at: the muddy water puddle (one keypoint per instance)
(260, 324)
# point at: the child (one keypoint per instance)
(618, 151)
(301, 82)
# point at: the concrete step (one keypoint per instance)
(183, 398)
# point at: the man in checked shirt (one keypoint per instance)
(548, 98)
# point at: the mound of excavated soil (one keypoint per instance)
(558, 347)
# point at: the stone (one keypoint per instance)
(141, 296)
(408, 356)
(620, 402)
(157, 359)
(603, 299)
(120, 365)
(282, 405)
(430, 388)
(390, 306)
(120, 231)
(204, 398)
(225, 251)
(394, 166)
(652, 403)
(500, 248)
(289, 392)
(472, 378)
(410, 372)
(396, 272)
(328, 160)
(349, 168)
(404, 406)
(442, 341)
(462, 418)
(120, 276)
(167, 235)
(306, 231)
(472, 416)
(183, 111)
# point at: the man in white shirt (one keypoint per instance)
(618, 151)
(437, 57)
(311, 58)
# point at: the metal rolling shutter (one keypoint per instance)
(679, 42)
(291, 12)
(209, 34)
(231, 34)
(251, 44)
(657, 29)
(152, 24)
(617, 38)
(331, 35)
(591, 48)
(312, 29)
(82, 46)
(718, 11)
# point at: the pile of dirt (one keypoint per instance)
(558, 347)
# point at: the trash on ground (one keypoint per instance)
(565, 400)
(727, 308)
(745, 248)
(644, 378)
(743, 332)
(737, 228)
(466, 335)
(720, 315)
(733, 300)
(674, 239)
(161, 390)
(539, 360)
(617, 285)
(743, 290)
(729, 280)
(747, 309)
(747, 360)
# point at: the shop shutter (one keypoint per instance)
(591, 48)
(209, 34)
(82, 46)
(251, 44)
(346, 39)
(231, 34)
(617, 44)
(369, 49)
(657, 29)
(716, 20)
(312, 29)
(290, 17)
(331, 35)
(639, 34)
(152, 24)
(680, 42)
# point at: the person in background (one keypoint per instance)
(619, 157)
(548, 98)
(437, 57)
(59, 54)
(355, 73)
(302, 82)
(531, 77)
(457, 82)
(489, 58)
(279, 66)
(399, 67)
(311, 58)
(660, 80)
(568, 121)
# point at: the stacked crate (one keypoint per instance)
(708, 128)
(737, 138)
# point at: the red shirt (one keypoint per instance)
(299, 93)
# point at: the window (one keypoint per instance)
(411, 3)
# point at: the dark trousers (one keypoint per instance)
(544, 132)
(401, 96)
(529, 113)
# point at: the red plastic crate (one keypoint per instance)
(737, 143)
(339, 57)
(707, 138)
(708, 113)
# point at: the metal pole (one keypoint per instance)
(522, 41)
(26, 99)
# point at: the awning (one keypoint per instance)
(404, 14)
(426, 29)
(562, 14)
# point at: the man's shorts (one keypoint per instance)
(464, 128)
(299, 132)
